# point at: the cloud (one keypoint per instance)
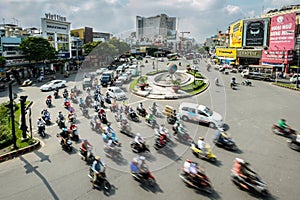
(232, 9)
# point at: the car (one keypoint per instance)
(200, 114)
(116, 93)
(53, 85)
(147, 56)
(125, 76)
(100, 71)
(161, 59)
(87, 82)
(293, 79)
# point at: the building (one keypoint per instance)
(56, 30)
(157, 29)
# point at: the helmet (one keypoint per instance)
(97, 158)
(142, 158)
(141, 103)
(188, 160)
(201, 138)
(85, 140)
(239, 160)
(138, 134)
(135, 160)
(220, 129)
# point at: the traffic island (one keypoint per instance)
(18, 152)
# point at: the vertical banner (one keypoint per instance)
(236, 34)
(282, 32)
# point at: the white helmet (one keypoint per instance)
(239, 160)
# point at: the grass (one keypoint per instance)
(133, 84)
(287, 85)
(192, 88)
(196, 75)
(19, 142)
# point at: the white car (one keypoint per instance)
(125, 76)
(53, 85)
(200, 114)
(116, 93)
(101, 70)
(293, 79)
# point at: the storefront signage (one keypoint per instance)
(236, 31)
(55, 17)
(282, 32)
(277, 56)
(248, 53)
(255, 32)
(226, 52)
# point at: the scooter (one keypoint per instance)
(61, 123)
(113, 152)
(85, 112)
(141, 112)
(101, 180)
(89, 159)
(125, 128)
(56, 95)
(198, 152)
(133, 117)
(225, 141)
(246, 82)
(279, 131)
(294, 143)
(41, 130)
(67, 146)
(200, 181)
(46, 118)
(137, 149)
(74, 134)
(156, 112)
(48, 103)
(152, 123)
(145, 177)
(103, 118)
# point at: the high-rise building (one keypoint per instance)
(156, 29)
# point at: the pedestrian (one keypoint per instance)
(153, 65)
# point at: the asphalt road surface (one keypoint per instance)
(249, 112)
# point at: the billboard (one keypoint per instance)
(236, 34)
(255, 32)
(282, 32)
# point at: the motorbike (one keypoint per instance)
(108, 99)
(156, 112)
(85, 112)
(46, 118)
(171, 119)
(65, 94)
(125, 128)
(101, 180)
(141, 112)
(145, 177)
(152, 123)
(74, 134)
(72, 118)
(111, 136)
(137, 149)
(103, 118)
(55, 94)
(225, 141)
(41, 130)
(89, 159)
(67, 104)
(133, 117)
(181, 134)
(74, 99)
(246, 82)
(233, 85)
(67, 146)
(198, 152)
(48, 103)
(96, 125)
(61, 123)
(200, 181)
(279, 131)
(252, 183)
(294, 144)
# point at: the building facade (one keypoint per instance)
(56, 30)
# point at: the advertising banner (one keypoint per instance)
(282, 32)
(226, 52)
(277, 56)
(236, 34)
(255, 32)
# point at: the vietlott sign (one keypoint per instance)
(248, 53)
(226, 52)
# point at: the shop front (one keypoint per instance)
(280, 59)
(225, 56)
(248, 56)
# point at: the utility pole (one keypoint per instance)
(12, 115)
(23, 126)
(181, 40)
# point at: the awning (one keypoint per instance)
(224, 58)
(294, 67)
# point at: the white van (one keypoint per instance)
(200, 113)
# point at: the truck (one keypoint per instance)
(265, 73)
(107, 77)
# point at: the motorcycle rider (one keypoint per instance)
(49, 99)
(163, 138)
(139, 142)
(154, 108)
(60, 116)
(141, 108)
(56, 92)
(150, 118)
(232, 82)
(201, 145)
(282, 125)
(218, 136)
(64, 135)
(45, 112)
(241, 168)
(96, 167)
(131, 112)
(216, 81)
(85, 145)
(162, 129)
(40, 124)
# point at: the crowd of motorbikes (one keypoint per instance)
(192, 174)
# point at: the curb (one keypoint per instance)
(295, 89)
(19, 152)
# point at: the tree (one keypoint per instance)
(37, 49)
(88, 47)
(122, 47)
(2, 61)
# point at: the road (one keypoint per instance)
(249, 112)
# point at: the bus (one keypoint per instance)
(260, 72)
(172, 56)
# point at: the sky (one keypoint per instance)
(202, 18)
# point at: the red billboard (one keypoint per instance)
(282, 32)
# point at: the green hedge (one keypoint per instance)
(287, 85)
(196, 75)
(199, 84)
